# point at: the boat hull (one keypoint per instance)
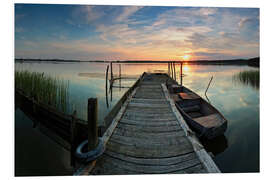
(213, 124)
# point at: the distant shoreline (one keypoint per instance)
(251, 62)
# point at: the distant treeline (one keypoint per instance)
(254, 62)
(250, 62)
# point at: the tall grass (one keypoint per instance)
(46, 89)
(251, 77)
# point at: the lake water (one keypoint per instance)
(236, 151)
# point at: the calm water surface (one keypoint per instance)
(236, 151)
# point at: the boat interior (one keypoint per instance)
(195, 107)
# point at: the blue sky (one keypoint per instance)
(135, 32)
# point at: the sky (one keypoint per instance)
(83, 32)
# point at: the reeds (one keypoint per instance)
(251, 77)
(46, 89)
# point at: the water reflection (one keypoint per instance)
(216, 145)
(249, 78)
(238, 102)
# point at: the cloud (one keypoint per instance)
(245, 21)
(86, 14)
(207, 11)
(128, 32)
(127, 12)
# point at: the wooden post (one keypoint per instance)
(73, 139)
(119, 77)
(168, 68)
(171, 69)
(107, 77)
(111, 73)
(174, 71)
(107, 85)
(119, 70)
(181, 73)
(92, 123)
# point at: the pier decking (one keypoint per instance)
(149, 136)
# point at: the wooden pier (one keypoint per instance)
(149, 136)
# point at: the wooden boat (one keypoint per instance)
(201, 116)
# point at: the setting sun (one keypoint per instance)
(186, 57)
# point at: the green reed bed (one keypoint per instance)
(251, 77)
(46, 89)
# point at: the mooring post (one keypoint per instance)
(119, 77)
(107, 77)
(73, 138)
(120, 71)
(174, 71)
(92, 123)
(181, 73)
(111, 73)
(168, 69)
(106, 86)
(171, 69)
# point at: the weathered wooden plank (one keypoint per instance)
(149, 135)
(150, 169)
(110, 130)
(131, 114)
(195, 114)
(180, 119)
(152, 101)
(146, 105)
(150, 90)
(150, 152)
(149, 95)
(148, 129)
(154, 142)
(206, 160)
(104, 168)
(191, 108)
(194, 169)
(150, 122)
(149, 110)
(153, 161)
(148, 119)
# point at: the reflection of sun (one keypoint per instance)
(185, 68)
(186, 57)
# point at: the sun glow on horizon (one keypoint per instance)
(186, 57)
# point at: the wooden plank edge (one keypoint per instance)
(87, 169)
(204, 157)
(115, 121)
(84, 170)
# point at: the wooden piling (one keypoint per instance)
(111, 73)
(174, 71)
(168, 68)
(181, 73)
(73, 139)
(107, 77)
(107, 85)
(171, 69)
(120, 71)
(92, 123)
(119, 77)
